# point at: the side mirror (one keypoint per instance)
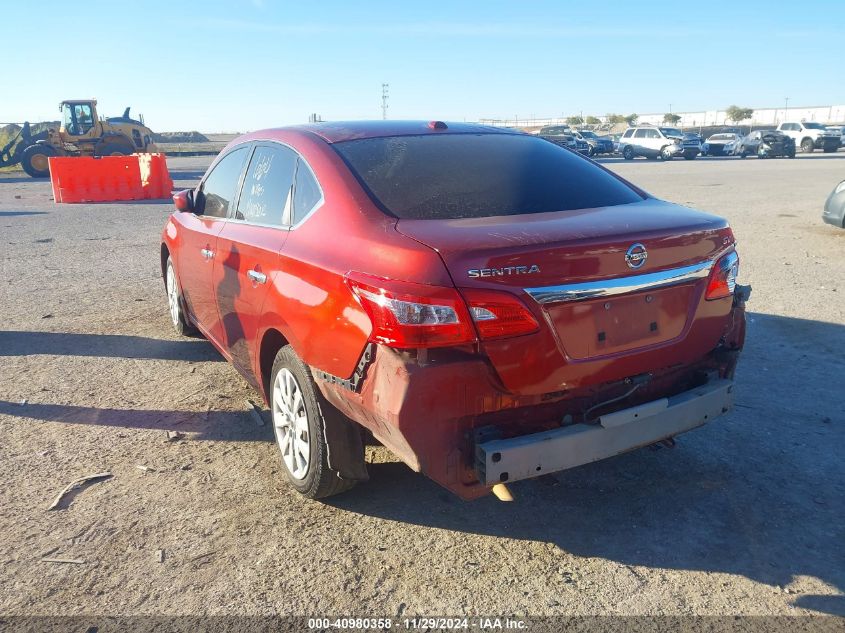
(184, 201)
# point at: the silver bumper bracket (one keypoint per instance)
(500, 460)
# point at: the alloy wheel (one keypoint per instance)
(173, 295)
(290, 424)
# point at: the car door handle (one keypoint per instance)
(207, 253)
(256, 276)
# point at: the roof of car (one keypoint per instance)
(339, 131)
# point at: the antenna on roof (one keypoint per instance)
(384, 97)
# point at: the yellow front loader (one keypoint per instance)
(82, 133)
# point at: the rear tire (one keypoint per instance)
(34, 160)
(743, 153)
(807, 146)
(298, 410)
(628, 153)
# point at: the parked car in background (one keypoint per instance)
(766, 144)
(559, 135)
(721, 144)
(615, 138)
(581, 145)
(657, 142)
(834, 208)
(838, 129)
(695, 136)
(809, 135)
(596, 144)
(493, 308)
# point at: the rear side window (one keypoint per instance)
(306, 192)
(268, 186)
(478, 175)
(219, 188)
(640, 133)
(628, 133)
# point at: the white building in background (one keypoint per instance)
(764, 116)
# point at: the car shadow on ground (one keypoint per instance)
(24, 343)
(759, 493)
(217, 426)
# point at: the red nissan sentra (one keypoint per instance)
(488, 305)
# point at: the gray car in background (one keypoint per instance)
(834, 208)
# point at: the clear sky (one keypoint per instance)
(247, 64)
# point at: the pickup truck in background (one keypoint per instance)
(809, 135)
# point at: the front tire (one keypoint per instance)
(298, 410)
(175, 302)
(807, 146)
(35, 160)
(666, 153)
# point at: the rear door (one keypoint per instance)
(198, 250)
(249, 246)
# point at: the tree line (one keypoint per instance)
(734, 113)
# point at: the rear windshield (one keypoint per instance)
(453, 176)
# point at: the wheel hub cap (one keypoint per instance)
(39, 162)
(290, 424)
(172, 295)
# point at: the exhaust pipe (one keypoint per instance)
(502, 493)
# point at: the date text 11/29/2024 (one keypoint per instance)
(418, 624)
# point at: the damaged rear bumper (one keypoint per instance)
(538, 454)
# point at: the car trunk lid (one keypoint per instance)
(545, 257)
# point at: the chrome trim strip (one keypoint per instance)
(620, 285)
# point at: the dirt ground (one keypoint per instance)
(744, 516)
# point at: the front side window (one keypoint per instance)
(217, 191)
(452, 176)
(268, 186)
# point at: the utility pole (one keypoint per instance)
(786, 109)
(384, 97)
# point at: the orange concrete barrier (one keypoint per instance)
(109, 178)
(155, 179)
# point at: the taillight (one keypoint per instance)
(409, 315)
(722, 279)
(499, 314)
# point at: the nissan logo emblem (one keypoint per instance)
(636, 256)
